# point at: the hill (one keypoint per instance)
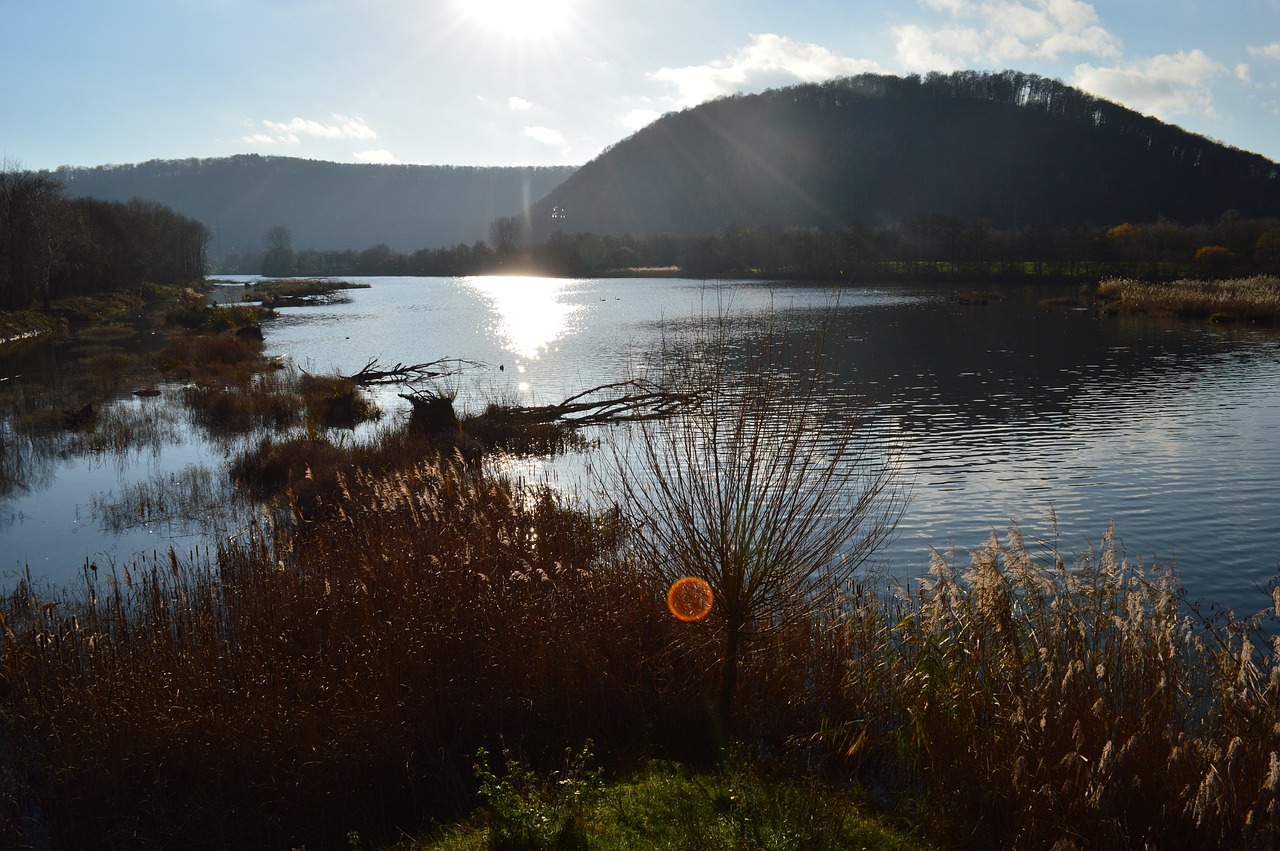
(1011, 149)
(325, 205)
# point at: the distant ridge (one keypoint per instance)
(327, 206)
(1011, 149)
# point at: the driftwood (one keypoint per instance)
(630, 401)
(608, 404)
(374, 372)
(545, 428)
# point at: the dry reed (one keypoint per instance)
(1249, 299)
(1031, 704)
(316, 678)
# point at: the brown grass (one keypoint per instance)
(334, 401)
(191, 310)
(337, 670)
(287, 292)
(329, 677)
(221, 357)
(1255, 299)
(1032, 703)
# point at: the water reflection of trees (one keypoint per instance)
(43, 427)
(24, 464)
(194, 497)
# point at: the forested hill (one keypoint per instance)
(1012, 149)
(325, 205)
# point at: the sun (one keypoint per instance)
(520, 20)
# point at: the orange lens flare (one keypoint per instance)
(690, 599)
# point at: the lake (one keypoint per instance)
(1003, 412)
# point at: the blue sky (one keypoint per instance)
(553, 82)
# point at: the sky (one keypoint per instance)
(555, 82)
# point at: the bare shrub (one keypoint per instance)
(755, 489)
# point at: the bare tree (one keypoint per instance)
(33, 228)
(280, 260)
(506, 234)
(756, 489)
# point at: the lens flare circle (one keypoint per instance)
(690, 599)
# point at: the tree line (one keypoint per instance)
(53, 246)
(325, 204)
(931, 246)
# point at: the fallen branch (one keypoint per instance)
(374, 372)
(632, 401)
(545, 429)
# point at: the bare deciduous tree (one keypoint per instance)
(506, 234)
(32, 233)
(756, 489)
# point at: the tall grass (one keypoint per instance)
(321, 678)
(1031, 703)
(1249, 299)
(330, 676)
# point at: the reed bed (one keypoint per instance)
(1033, 705)
(276, 401)
(315, 678)
(222, 357)
(1254, 299)
(336, 671)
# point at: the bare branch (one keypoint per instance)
(374, 372)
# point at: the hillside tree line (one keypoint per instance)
(929, 247)
(52, 246)
(1011, 149)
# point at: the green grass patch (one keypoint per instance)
(666, 805)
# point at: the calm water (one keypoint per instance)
(1003, 411)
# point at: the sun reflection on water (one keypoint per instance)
(529, 314)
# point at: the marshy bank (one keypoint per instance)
(1254, 299)
(333, 669)
(336, 674)
(132, 388)
(299, 292)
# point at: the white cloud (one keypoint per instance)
(291, 132)
(936, 50)
(1242, 73)
(768, 60)
(1000, 31)
(379, 156)
(1270, 51)
(1166, 85)
(548, 137)
(637, 118)
(259, 139)
(519, 104)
